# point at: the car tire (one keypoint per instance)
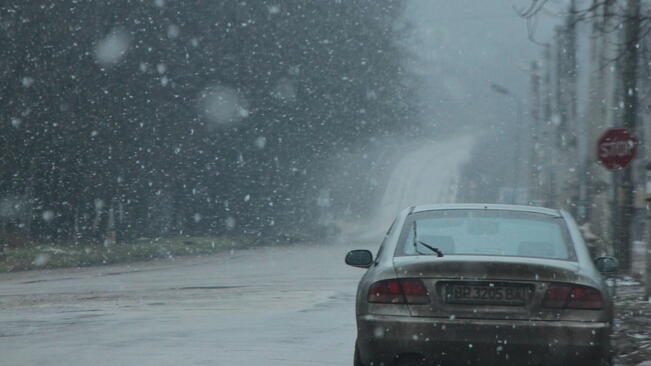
(609, 360)
(356, 360)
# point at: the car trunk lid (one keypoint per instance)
(487, 287)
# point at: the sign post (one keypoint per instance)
(647, 254)
(616, 148)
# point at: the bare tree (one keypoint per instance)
(616, 34)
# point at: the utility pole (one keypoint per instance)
(573, 182)
(647, 280)
(518, 161)
(561, 166)
(548, 135)
(534, 145)
(566, 79)
(647, 254)
(629, 71)
(598, 118)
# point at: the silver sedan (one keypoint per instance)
(484, 285)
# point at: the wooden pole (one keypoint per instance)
(629, 73)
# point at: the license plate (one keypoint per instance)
(488, 294)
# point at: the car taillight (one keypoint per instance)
(387, 291)
(585, 298)
(404, 291)
(556, 296)
(415, 292)
(572, 297)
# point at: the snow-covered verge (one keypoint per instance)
(632, 331)
(40, 256)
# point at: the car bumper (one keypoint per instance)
(386, 340)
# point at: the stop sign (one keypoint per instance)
(616, 148)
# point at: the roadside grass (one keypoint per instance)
(60, 255)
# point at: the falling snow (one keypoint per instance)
(113, 47)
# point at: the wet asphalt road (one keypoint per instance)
(269, 306)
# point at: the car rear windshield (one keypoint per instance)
(486, 232)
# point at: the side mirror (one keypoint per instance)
(361, 258)
(606, 264)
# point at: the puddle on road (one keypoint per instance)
(51, 280)
(206, 287)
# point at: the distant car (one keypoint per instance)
(483, 285)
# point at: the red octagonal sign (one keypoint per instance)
(616, 148)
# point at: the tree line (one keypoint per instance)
(150, 118)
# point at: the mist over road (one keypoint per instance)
(427, 173)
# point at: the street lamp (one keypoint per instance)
(504, 91)
(500, 89)
(517, 158)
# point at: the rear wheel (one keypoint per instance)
(410, 360)
(608, 361)
(357, 361)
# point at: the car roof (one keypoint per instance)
(485, 206)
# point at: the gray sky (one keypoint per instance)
(464, 46)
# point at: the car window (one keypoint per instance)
(481, 232)
(386, 237)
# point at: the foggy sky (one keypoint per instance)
(465, 45)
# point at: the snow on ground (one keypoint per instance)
(428, 173)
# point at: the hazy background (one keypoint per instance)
(458, 49)
(165, 118)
